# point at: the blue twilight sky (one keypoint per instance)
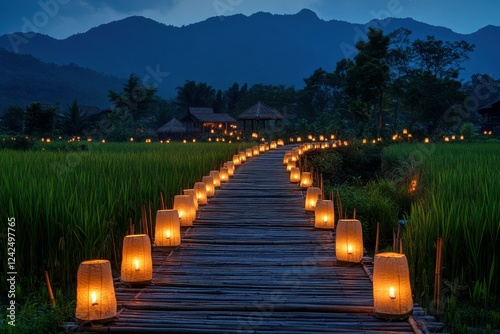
(62, 18)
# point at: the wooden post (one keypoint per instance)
(49, 288)
(354, 214)
(437, 276)
(377, 236)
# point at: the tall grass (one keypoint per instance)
(69, 205)
(461, 203)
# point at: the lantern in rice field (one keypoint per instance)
(349, 240)
(200, 189)
(305, 180)
(262, 148)
(230, 167)
(287, 157)
(313, 194)
(255, 151)
(291, 164)
(243, 156)
(209, 182)
(391, 286)
(236, 160)
(324, 216)
(95, 292)
(192, 193)
(249, 152)
(224, 174)
(273, 145)
(167, 228)
(295, 175)
(216, 176)
(184, 204)
(137, 263)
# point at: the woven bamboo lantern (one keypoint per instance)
(313, 194)
(255, 151)
(224, 174)
(262, 148)
(249, 152)
(184, 204)
(294, 156)
(391, 286)
(305, 180)
(324, 216)
(137, 263)
(273, 145)
(281, 142)
(291, 164)
(95, 292)
(230, 167)
(349, 240)
(200, 189)
(236, 160)
(192, 193)
(209, 182)
(167, 228)
(286, 157)
(295, 175)
(243, 156)
(216, 176)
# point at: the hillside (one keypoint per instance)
(25, 79)
(261, 48)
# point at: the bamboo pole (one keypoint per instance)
(437, 277)
(354, 214)
(377, 236)
(49, 289)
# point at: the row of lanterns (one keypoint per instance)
(391, 282)
(96, 299)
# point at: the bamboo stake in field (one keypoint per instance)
(49, 289)
(377, 236)
(437, 276)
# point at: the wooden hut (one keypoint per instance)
(173, 129)
(491, 118)
(260, 117)
(205, 120)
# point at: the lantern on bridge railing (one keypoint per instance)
(391, 286)
(137, 263)
(167, 228)
(324, 216)
(349, 240)
(184, 204)
(95, 292)
(313, 194)
(200, 189)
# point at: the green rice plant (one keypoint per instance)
(72, 206)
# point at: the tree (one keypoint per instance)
(40, 119)
(218, 104)
(135, 99)
(13, 119)
(74, 122)
(368, 76)
(195, 95)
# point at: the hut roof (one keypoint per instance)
(173, 126)
(207, 115)
(260, 111)
(493, 106)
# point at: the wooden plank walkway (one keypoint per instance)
(253, 263)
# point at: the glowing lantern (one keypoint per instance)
(137, 263)
(446, 139)
(200, 189)
(280, 142)
(299, 139)
(313, 194)
(426, 140)
(364, 141)
(167, 228)
(294, 156)
(249, 152)
(230, 168)
(461, 137)
(349, 240)
(305, 180)
(291, 164)
(255, 151)
(286, 157)
(209, 182)
(224, 174)
(243, 156)
(453, 137)
(192, 193)
(216, 176)
(262, 148)
(95, 292)
(295, 175)
(273, 145)
(391, 286)
(236, 160)
(324, 216)
(184, 204)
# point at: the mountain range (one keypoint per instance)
(261, 48)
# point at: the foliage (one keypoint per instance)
(74, 122)
(40, 119)
(195, 95)
(467, 130)
(13, 119)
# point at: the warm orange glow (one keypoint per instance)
(446, 139)
(305, 180)
(295, 175)
(426, 140)
(184, 204)
(93, 298)
(137, 263)
(215, 174)
(167, 228)
(324, 216)
(392, 292)
(313, 194)
(349, 249)
(209, 183)
(364, 141)
(413, 185)
(200, 189)
(236, 160)
(137, 267)
(224, 174)
(349, 240)
(405, 131)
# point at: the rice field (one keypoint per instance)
(74, 206)
(460, 187)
